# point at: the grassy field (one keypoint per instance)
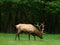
(49, 39)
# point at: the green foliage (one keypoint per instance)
(13, 12)
(53, 7)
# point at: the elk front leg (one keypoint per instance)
(34, 37)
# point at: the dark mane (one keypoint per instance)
(36, 27)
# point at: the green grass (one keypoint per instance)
(49, 39)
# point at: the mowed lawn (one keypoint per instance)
(49, 39)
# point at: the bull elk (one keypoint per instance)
(30, 29)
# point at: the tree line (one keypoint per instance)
(33, 12)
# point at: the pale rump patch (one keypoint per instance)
(26, 27)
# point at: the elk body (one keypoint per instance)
(30, 29)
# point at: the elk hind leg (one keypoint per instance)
(17, 35)
(34, 36)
